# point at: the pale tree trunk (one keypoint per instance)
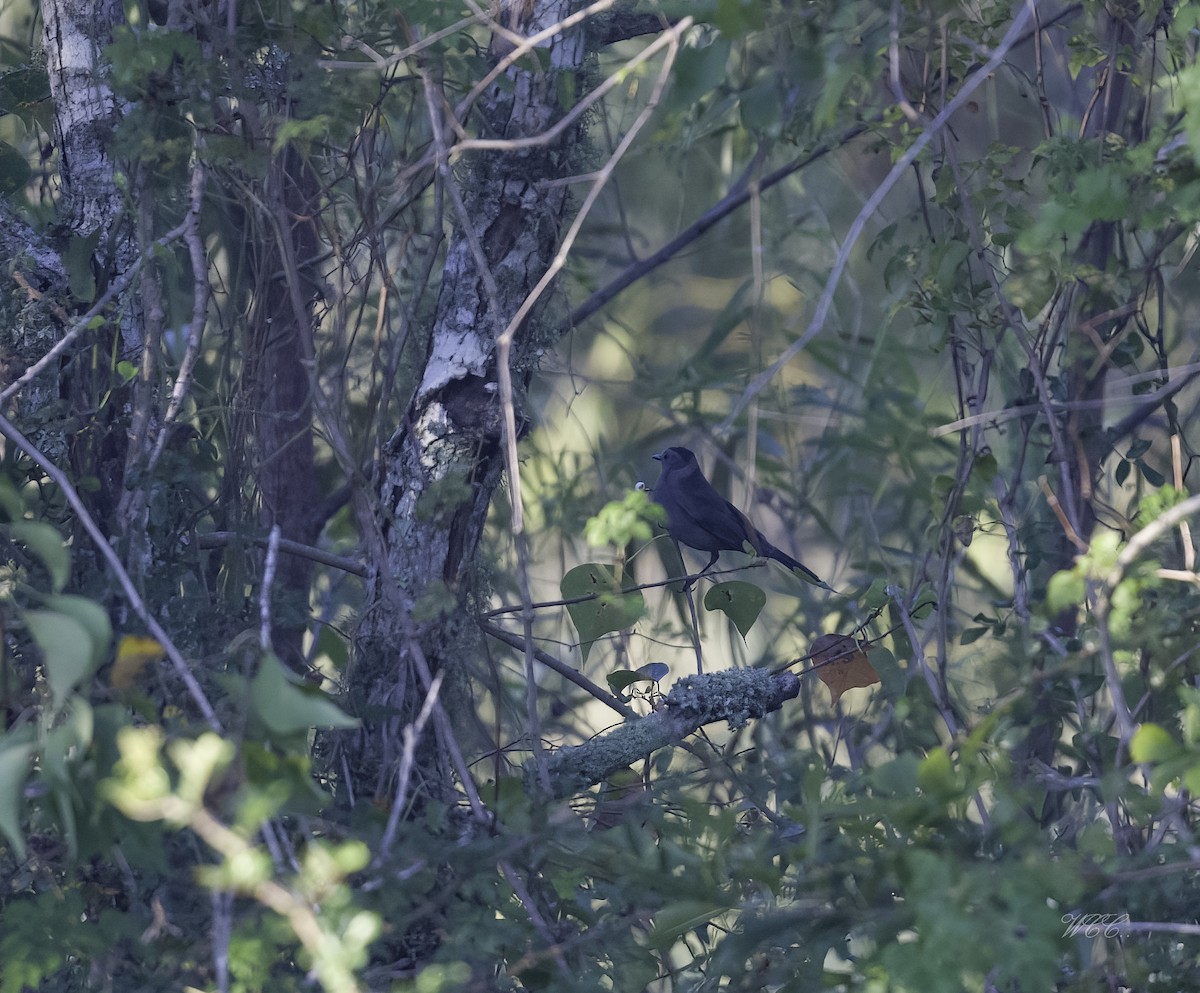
(86, 113)
(99, 237)
(445, 459)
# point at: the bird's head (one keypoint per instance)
(676, 458)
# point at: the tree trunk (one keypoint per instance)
(98, 240)
(442, 464)
(278, 382)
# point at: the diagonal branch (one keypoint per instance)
(733, 695)
(10, 431)
(738, 197)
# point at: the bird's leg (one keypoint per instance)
(695, 631)
(687, 592)
(711, 563)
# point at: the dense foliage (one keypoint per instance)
(342, 647)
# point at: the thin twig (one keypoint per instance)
(264, 592)
(504, 343)
(194, 240)
(221, 933)
(567, 672)
(219, 539)
(380, 62)
(536, 917)
(1056, 508)
(691, 602)
(655, 584)
(1185, 528)
(1104, 589)
(1186, 374)
(737, 197)
(523, 48)
(581, 108)
(1147, 536)
(404, 777)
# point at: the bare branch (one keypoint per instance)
(738, 197)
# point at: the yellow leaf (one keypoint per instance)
(134, 653)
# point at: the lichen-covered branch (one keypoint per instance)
(734, 695)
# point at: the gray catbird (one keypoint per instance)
(699, 517)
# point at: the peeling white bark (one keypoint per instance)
(442, 466)
(86, 110)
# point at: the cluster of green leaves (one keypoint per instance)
(83, 782)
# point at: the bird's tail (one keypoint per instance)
(771, 552)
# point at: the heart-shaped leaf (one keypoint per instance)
(742, 602)
(621, 679)
(609, 606)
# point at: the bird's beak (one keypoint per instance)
(657, 456)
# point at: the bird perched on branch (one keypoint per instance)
(699, 517)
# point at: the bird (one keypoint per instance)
(699, 517)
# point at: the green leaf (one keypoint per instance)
(679, 918)
(48, 546)
(654, 670)
(77, 260)
(16, 751)
(759, 107)
(1065, 589)
(92, 618)
(10, 500)
(565, 86)
(22, 87)
(1152, 743)
(697, 71)
(737, 17)
(972, 635)
(286, 705)
(66, 648)
(62, 752)
(1191, 779)
(621, 521)
(1138, 448)
(14, 170)
(301, 131)
(742, 602)
(611, 608)
(1152, 476)
(876, 595)
(935, 775)
(621, 679)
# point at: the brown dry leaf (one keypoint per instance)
(851, 668)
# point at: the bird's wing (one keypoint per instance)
(752, 535)
(700, 508)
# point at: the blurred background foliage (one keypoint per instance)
(985, 447)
